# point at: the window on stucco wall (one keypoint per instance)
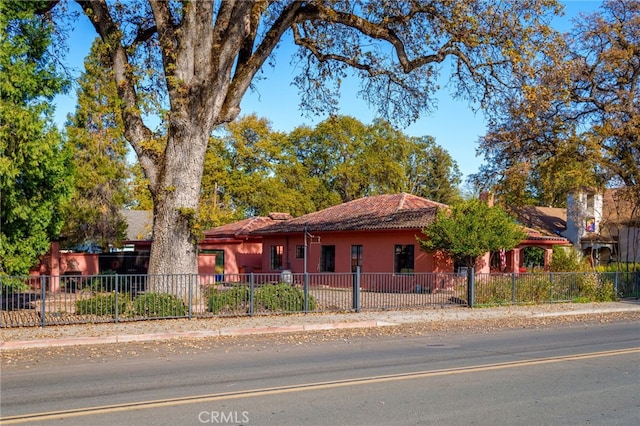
(356, 257)
(403, 259)
(328, 259)
(276, 257)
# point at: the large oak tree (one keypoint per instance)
(577, 120)
(202, 57)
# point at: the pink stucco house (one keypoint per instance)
(234, 248)
(377, 233)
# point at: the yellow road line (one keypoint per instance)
(302, 387)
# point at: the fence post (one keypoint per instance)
(117, 291)
(43, 297)
(252, 287)
(305, 290)
(356, 290)
(513, 288)
(470, 286)
(191, 287)
(615, 284)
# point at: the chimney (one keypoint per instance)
(487, 197)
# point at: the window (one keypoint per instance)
(356, 257)
(403, 259)
(328, 259)
(590, 202)
(276, 257)
(299, 252)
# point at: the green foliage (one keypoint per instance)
(470, 229)
(259, 171)
(159, 305)
(104, 304)
(235, 299)
(533, 256)
(12, 284)
(579, 287)
(280, 297)
(99, 149)
(35, 172)
(567, 259)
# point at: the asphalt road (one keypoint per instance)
(568, 375)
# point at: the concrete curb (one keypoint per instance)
(390, 319)
(128, 338)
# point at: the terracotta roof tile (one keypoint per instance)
(546, 220)
(395, 211)
(245, 227)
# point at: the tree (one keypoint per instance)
(35, 172)
(576, 121)
(202, 56)
(470, 229)
(96, 139)
(431, 172)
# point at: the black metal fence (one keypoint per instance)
(72, 299)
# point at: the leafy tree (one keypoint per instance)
(431, 172)
(576, 121)
(354, 160)
(100, 151)
(201, 57)
(470, 229)
(34, 168)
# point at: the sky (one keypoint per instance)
(453, 123)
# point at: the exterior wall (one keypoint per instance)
(578, 213)
(239, 257)
(377, 252)
(629, 244)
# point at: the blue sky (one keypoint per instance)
(453, 124)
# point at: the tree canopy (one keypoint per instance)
(576, 122)
(193, 62)
(470, 229)
(35, 173)
(99, 149)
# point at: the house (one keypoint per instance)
(376, 233)
(234, 248)
(544, 227)
(604, 225)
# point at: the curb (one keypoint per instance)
(224, 332)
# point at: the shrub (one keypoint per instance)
(104, 304)
(159, 305)
(12, 284)
(282, 297)
(234, 299)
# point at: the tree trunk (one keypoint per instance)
(173, 261)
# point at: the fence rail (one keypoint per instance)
(73, 299)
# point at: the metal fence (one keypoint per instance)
(73, 299)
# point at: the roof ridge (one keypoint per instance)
(403, 198)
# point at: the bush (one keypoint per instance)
(282, 297)
(11, 285)
(104, 304)
(234, 299)
(159, 305)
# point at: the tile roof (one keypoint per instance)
(245, 227)
(394, 211)
(549, 221)
(618, 207)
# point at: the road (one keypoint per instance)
(567, 375)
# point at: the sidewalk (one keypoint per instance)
(91, 334)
